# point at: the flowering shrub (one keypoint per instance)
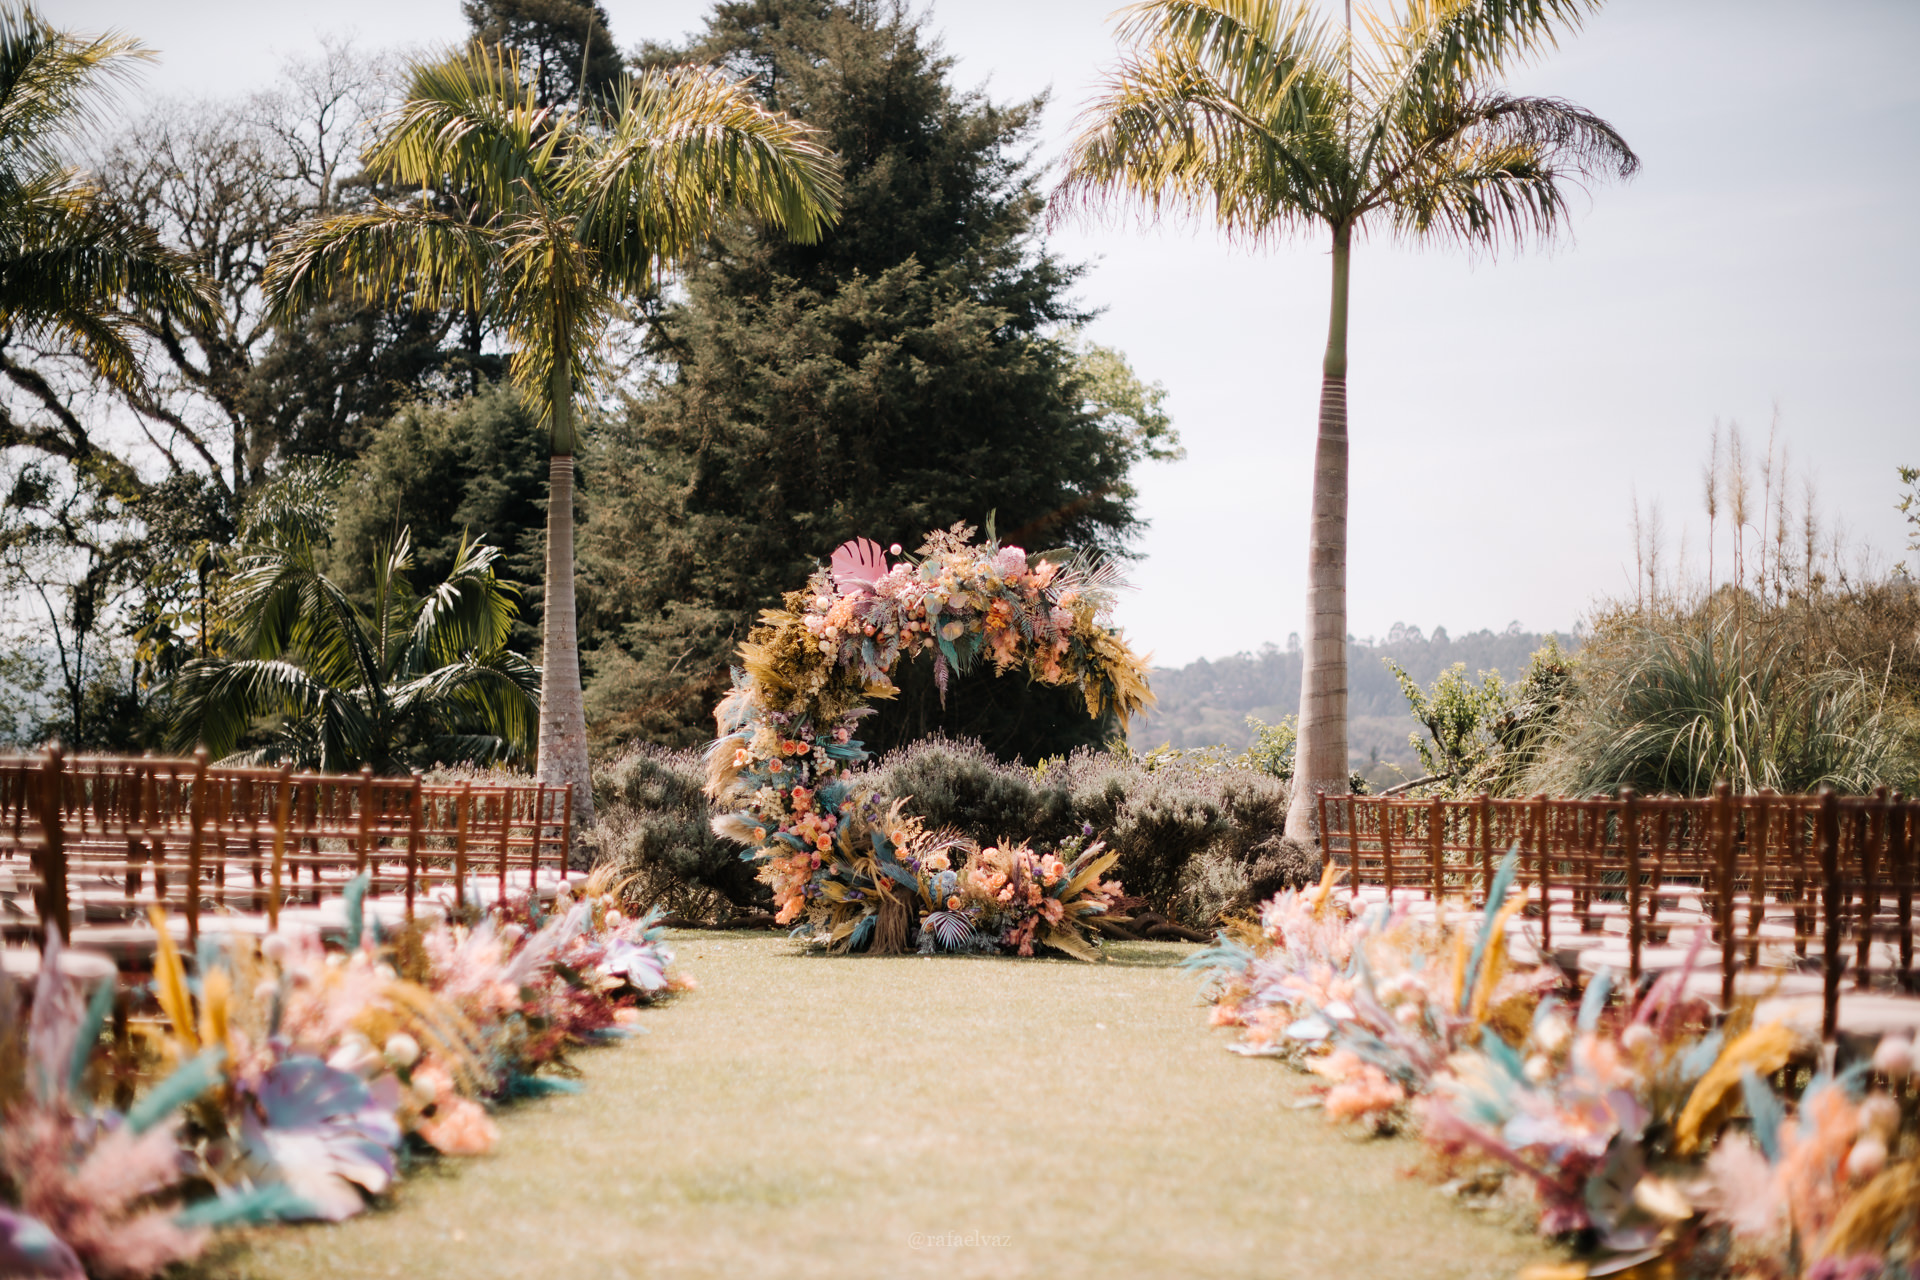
(288, 1075)
(781, 765)
(1648, 1125)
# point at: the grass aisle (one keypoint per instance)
(800, 1117)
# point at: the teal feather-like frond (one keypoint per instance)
(1764, 1106)
(271, 1202)
(195, 1076)
(354, 898)
(1496, 898)
(520, 1086)
(88, 1035)
(1595, 1000)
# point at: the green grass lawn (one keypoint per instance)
(852, 1118)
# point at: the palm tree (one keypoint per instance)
(1276, 123)
(418, 680)
(70, 265)
(565, 211)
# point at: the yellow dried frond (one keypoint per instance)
(1493, 958)
(216, 1000)
(170, 982)
(1330, 875)
(1462, 950)
(600, 881)
(1765, 1049)
(731, 826)
(1068, 941)
(1122, 681)
(722, 772)
(443, 1029)
(1091, 872)
(1869, 1221)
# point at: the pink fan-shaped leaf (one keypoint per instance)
(858, 564)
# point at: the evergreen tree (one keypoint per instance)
(912, 369)
(555, 40)
(469, 470)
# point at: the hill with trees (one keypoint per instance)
(1207, 703)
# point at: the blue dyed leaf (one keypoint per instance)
(195, 1077)
(1595, 1000)
(1767, 1112)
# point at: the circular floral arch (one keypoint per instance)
(848, 864)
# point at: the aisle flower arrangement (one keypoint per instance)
(286, 1080)
(1649, 1128)
(837, 857)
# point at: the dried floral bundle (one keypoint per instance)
(780, 766)
(1648, 1125)
(283, 1076)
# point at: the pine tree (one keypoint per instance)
(911, 370)
(555, 40)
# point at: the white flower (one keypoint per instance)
(1552, 1034)
(1894, 1057)
(356, 1056)
(1867, 1158)
(402, 1050)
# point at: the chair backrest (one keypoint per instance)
(101, 839)
(1766, 876)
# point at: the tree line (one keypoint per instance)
(349, 397)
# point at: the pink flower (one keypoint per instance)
(1366, 1093)
(460, 1127)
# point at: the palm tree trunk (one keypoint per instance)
(563, 719)
(1320, 756)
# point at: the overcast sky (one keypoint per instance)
(1504, 415)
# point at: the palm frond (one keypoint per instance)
(498, 695)
(216, 700)
(373, 253)
(1495, 169)
(52, 83)
(470, 122)
(472, 611)
(1434, 45)
(1229, 110)
(687, 145)
(1268, 120)
(71, 268)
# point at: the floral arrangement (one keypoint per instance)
(283, 1077)
(1009, 898)
(835, 856)
(1647, 1125)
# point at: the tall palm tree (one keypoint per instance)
(70, 265)
(565, 212)
(1276, 123)
(415, 680)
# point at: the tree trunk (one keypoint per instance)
(563, 719)
(1320, 756)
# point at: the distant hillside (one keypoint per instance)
(1208, 702)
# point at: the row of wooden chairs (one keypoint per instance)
(1778, 882)
(95, 841)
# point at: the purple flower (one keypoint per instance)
(324, 1133)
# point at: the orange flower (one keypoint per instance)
(458, 1127)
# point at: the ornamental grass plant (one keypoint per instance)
(1675, 708)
